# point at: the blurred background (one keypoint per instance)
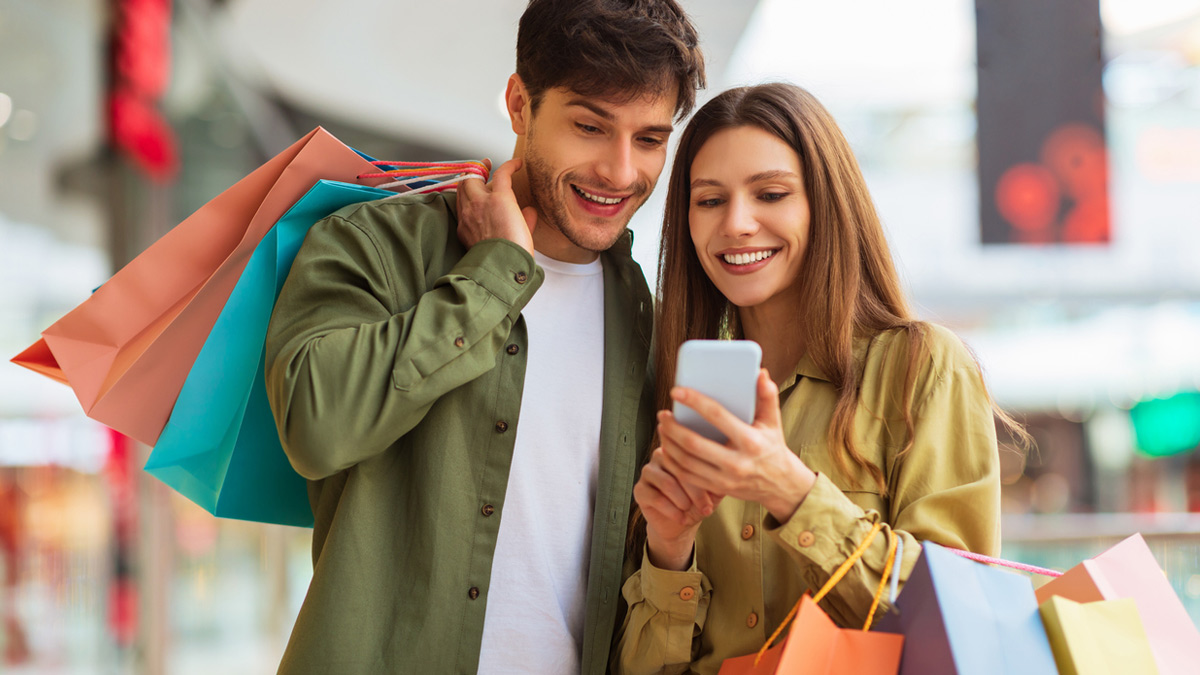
(1037, 166)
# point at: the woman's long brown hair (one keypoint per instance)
(847, 279)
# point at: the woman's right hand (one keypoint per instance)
(673, 512)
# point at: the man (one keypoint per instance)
(462, 379)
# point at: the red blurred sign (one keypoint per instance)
(1043, 164)
(141, 66)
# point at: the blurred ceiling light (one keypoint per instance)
(5, 108)
(1123, 17)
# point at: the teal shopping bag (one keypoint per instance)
(220, 447)
(961, 617)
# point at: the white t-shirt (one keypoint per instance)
(537, 595)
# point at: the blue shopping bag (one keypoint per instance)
(220, 447)
(962, 617)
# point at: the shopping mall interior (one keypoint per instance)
(119, 119)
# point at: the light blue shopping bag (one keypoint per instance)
(220, 447)
(961, 617)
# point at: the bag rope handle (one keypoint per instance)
(837, 576)
(979, 557)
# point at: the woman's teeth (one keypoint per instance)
(747, 258)
(596, 198)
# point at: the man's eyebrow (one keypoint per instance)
(608, 116)
(596, 110)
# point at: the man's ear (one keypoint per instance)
(516, 101)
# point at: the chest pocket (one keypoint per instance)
(854, 482)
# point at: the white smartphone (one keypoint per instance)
(725, 371)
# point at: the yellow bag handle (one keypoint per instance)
(837, 576)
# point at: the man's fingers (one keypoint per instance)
(502, 176)
(530, 214)
(470, 190)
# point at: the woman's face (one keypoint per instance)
(748, 215)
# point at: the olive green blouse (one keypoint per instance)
(749, 569)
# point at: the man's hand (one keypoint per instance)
(490, 210)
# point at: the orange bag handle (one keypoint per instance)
(837, 576)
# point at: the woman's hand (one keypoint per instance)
(755, 465)
(673, 513)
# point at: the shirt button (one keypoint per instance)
(747, 531)
(458, 342)
(488, 509)
(473, 592)
(752, 620)
(513, 349)
(520, 277)
(806, 539)
(501, 426)
(687, 593)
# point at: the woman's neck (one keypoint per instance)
(776, 329)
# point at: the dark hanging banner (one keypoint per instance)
(1043, 161)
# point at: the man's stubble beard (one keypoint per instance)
(552, 211)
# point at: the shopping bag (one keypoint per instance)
(964, 617)
(816, 646)
(1097, 638)
(1129, 570)
(128, 348)
(220, 447)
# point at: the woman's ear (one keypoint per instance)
(517, 103)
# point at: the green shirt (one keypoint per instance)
(395, 364)
(749, 569)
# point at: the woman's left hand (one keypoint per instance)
(755, 465)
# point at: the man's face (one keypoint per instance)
(591, 163)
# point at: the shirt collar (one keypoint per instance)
(808, 368)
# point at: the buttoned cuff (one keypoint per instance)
(504, 268)
(677, 593)
(824, 530)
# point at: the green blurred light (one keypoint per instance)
(1167, 426)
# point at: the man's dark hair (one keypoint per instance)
(613, 49)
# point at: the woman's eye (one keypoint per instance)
(772, 196)
(710, 202)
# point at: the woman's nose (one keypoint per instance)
(738, 220)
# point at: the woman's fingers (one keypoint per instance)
(726, 422)
(766, 408)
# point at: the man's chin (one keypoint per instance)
(597, 238)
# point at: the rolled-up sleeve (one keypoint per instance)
(666, 613)
(359, 348)
(945, 489)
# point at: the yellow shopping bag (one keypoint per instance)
(1097, 638)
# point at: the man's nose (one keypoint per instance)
(617, 167)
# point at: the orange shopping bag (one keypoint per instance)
(128, 348)
(1129, 570)
(816, 646)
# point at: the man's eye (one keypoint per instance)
(651, 141)
(588, 129)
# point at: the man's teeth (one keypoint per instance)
(597, 198)
(747, 258)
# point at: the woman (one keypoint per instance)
(864, 414)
